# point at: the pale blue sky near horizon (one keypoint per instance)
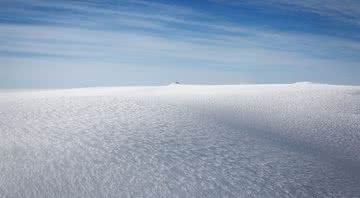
(68, 44)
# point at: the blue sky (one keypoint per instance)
(63, 44)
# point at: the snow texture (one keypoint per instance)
(296, 140)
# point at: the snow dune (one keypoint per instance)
(295, 140)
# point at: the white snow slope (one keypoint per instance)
(296, 140)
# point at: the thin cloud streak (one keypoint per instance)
(68, 41)
(345, 10)
(230, 38)
(142, 37)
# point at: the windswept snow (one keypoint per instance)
(297, 140)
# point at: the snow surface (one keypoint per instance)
(297, 140)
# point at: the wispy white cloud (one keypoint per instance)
(258, 49)
(126, 26)
(345, 10)
(157, 35)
